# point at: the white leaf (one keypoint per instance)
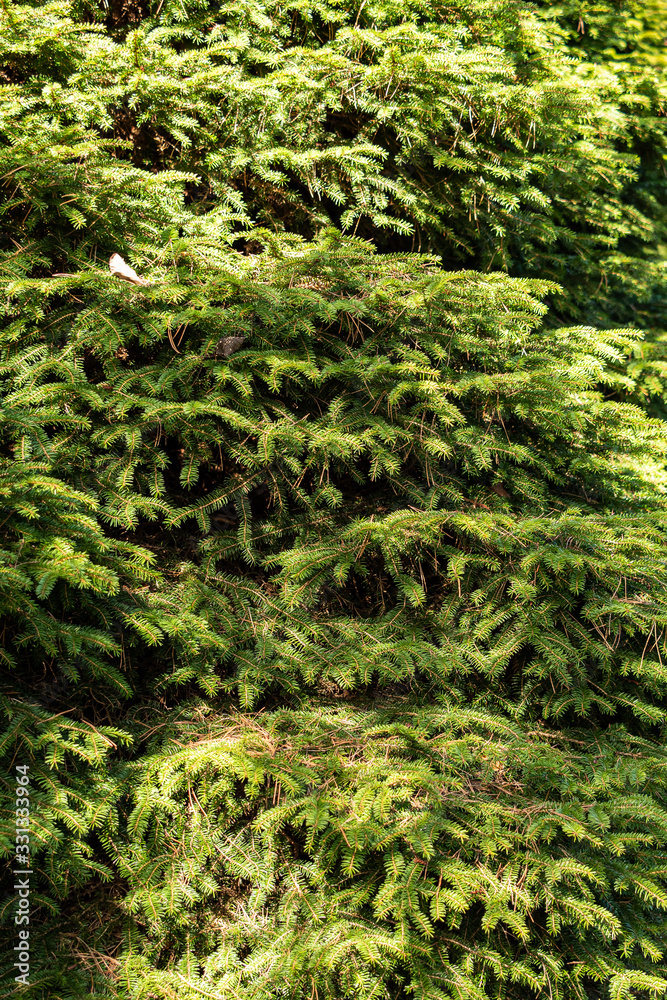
(120, 269)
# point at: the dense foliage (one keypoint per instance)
(338, 658)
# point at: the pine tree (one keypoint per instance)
(628, 40)
(333, 562)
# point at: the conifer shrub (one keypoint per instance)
(336, 650)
